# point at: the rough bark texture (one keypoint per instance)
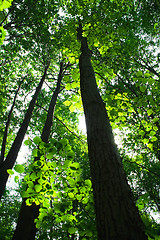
(116, 215)
(28, 214)
(12, 155)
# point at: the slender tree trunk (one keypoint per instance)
(26, 228)
(116, 215)
(12, 155)
(3, 148)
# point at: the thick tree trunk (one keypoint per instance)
(26, 228)
(12, 155)
(116, 215)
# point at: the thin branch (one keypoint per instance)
(70, 130)
(84, 142)
(146, 66)
(104, 79)
(140, 165)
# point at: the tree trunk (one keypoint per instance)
(26, 228)
(3, 148)
(116, 214)
(12, 155)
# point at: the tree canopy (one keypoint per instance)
(42, 41)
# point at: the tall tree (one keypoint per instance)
(121, 36)
(12, 155)
(114, 204)
(26, 228)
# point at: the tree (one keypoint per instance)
(26, 228)
(108, 178)
(127, 76)
(10, 160)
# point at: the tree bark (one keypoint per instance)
(116, 214)
(26, 228)
(12, 155)
(3, 148)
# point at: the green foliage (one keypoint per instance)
(56, 184)
(5, 4)
(19, 168)
(2, 35)
(10, 171)
(9, 208)
(122, 36)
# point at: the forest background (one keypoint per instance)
(39, 58)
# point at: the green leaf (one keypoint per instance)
(152, 133)
(70, 154)
(49, 155)
(24, 194)
(64, 141)
(149, 112)
(155, 128)
(139, 74)
(72, 230)
(19, 168)
(2, 35)
(72, 108)
(151, 81)
(74, 85)
(154, 139)
(37, 140)
(88, 183)
(75, 165)
(68, 86)
(28, 202)
(155, 26)
(9, 171)
(30, 184)
(147, 75)
(145, 140)
(67, 163)
(5, 4)
(71, 195)
(150, 145)
(33, 176)
(141, 132)
(79, 197)
(38, 187)
(28, 142)
(89, 234)
(156, 119)
(46, 204)
(67, 103)
(143, 88)
(16, 178)
(35, 152)
(50, 211)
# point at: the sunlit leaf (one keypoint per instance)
(35, 152)
(37, 140)
(88, 183)
(9, 171)
(71, 195)
(19, 168)
(28, 142)
(38, 187)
